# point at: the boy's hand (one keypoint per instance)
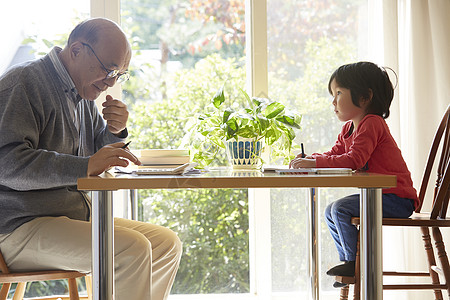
(299, 162)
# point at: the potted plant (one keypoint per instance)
(243, 132)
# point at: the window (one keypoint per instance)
(306, 42)
(183, 51)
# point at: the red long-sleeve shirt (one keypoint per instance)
(370, 148)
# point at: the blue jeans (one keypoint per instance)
(345, 235)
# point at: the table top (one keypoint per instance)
(234, 178)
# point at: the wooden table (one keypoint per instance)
(370, 229)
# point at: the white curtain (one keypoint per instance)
(424, 70)
(415, 42)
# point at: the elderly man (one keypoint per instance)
(51, 134)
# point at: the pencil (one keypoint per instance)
(303, 150)
(126, 145)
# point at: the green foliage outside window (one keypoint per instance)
(159, 121)
(213, 224)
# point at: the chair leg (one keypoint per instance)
(20, 291)
(88, 280)
(431, 260)
(442, 255)
(357, 285)
(73, 289)
(344, 293)
(4, 291)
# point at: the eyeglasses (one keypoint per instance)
(120, 77)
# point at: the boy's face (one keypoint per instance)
(344, 108)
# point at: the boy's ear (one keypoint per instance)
(370, 95)
(364, 101)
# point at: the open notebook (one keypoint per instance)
(328, 171)
(158, 170)
(165, 171)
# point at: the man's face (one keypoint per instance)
(95, 63)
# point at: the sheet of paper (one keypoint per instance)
(324, 171)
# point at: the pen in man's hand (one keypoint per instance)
(126, 145)
(303, 150)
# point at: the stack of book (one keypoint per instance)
(163, 157)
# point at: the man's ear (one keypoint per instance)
(75, 49)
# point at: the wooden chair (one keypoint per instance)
(434, 220)
(21, 278)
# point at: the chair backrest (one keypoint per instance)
(441, 189)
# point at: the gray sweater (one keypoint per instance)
(39, 166)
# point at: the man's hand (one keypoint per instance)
(302, 162)
(110, 156)
(115, 113)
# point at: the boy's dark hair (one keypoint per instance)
(360, 78)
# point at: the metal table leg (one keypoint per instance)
(371, 244)
(102, 246)
(313, 241)
(134, 204)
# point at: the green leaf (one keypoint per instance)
(205, 132)
(249, 111)
(247, 132)
(214, 121)
(288, 132)
(218, 98)
(226, 114)
(232, 124)
(216, 140)
(272, 135)
(231, 127)
(273, 109)
(247, 97)
(260, 101)
(263, 122)
(291, 120)
(28, 41)
(204, 116)
(291, 134)
(47, 43)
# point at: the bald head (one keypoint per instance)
(92, 30)
(95, 48)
